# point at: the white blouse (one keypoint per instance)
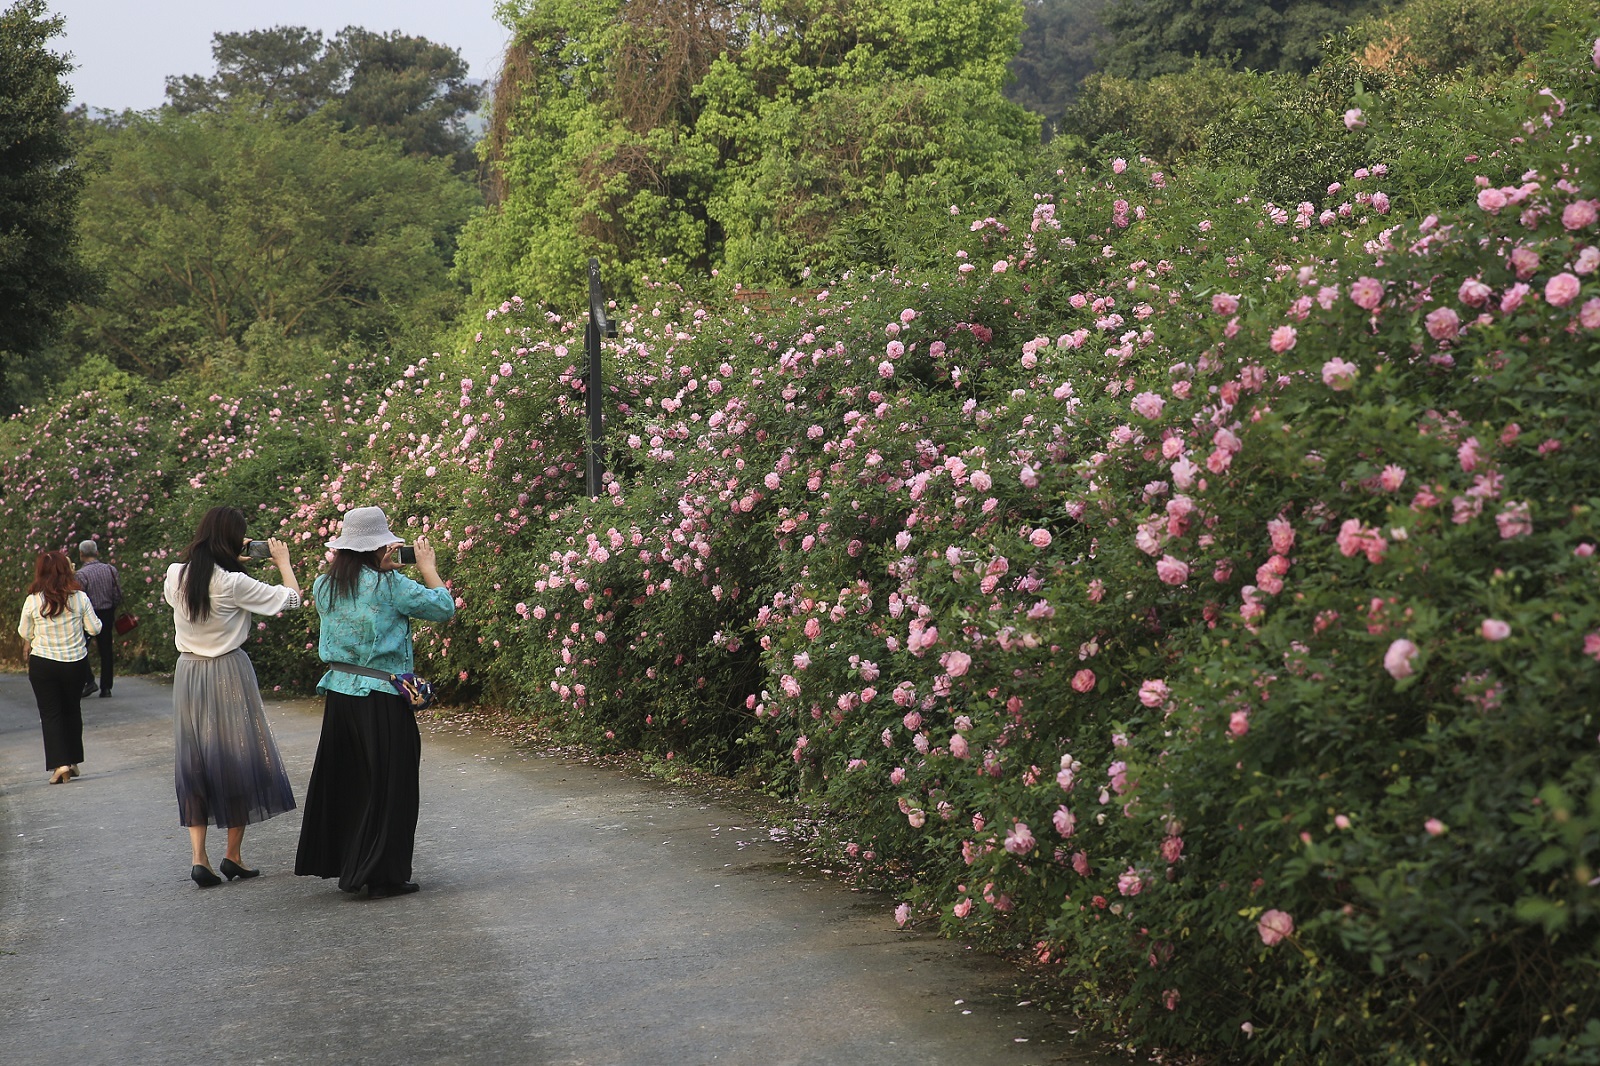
(234, 598)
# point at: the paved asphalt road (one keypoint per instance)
(568, 915)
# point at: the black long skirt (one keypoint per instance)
(360, 822)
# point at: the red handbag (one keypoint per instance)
(125, 623)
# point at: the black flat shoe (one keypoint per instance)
(89, 690)
(231, 869)
(203, 877)
(404, 888)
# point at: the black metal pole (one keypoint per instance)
(598, 327)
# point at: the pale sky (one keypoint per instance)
(125, 49)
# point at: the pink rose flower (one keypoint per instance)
(1040, 538)
(1515, 521)
(1367, 293)
(1579, 214)
(1172, 571)
(1392, 478)
(1491, 200)
(1239, 723)
(1066, 823)
(959, 747)
(1434, 827)
(1224, 303)
(1562, 289)
(1129, 883)
(1398, 660)
(1524, 261)
(1589, 315)
(1339, 374)
(955, 663)
(1474, 293)
(1282, 533)
(1353, 119)
(1083, 680)
(1154, 693)
(1148, 405)
(1283, 338)
(1274, 926)
(1443, 323)
(1494, 630)
(1020, 840)
(902, 914)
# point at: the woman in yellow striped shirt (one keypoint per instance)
(56, 617)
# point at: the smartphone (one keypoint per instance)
(405, 555)
(257, 549)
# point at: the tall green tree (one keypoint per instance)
(1152, 37)
(206, 224)
(402, 86)
(674, 137)
(41, 271)
(1061, 40)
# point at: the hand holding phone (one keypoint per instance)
(405, 555)
(257, 549)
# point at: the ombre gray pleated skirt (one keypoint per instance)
(228, 771)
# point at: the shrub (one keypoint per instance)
(1195, 590)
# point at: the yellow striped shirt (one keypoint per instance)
(60, 638)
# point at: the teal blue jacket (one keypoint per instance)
(373, 628)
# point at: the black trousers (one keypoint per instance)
(57, 687)
(108, 630)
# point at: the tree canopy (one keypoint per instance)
(40, 268)
(1152, 37)
(1060, 42)
(403, 86)
(673, 137)
(207, 223)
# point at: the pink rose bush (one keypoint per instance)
(1108, 549)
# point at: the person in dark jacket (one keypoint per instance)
(104, 589)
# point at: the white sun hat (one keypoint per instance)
(364, 529)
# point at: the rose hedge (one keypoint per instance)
(1195, 590)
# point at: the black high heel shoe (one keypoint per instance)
(203, 877)
(231, 869)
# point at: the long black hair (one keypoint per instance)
(217, 544)
(344, 573)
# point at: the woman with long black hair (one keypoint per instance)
(228, 769)
(55, 618)
(360, 822)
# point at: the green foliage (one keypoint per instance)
(1152, 37)
(41, 272)
(402, 86)
(669, 139)
(1167, 116)
(1480, 38)
(203, 225)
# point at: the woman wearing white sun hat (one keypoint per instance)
(360, 821)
